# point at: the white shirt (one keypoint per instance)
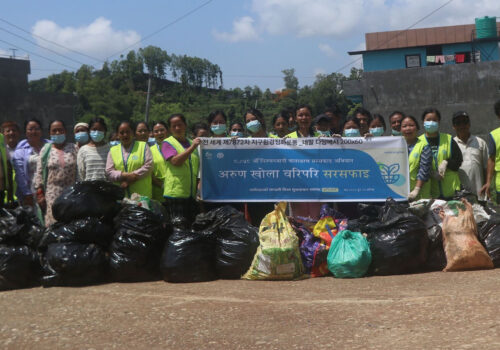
(475, 160)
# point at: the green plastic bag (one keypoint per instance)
(349, 255)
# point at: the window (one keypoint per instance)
(412, 61)
(466, 57)
(434, 50)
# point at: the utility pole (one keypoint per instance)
(13, 52)
(146, 118)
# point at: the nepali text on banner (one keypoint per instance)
(322, 169)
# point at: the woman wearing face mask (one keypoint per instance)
(322, 124)
(217, 121)
(351, 127)
(56, 169)
(130, 163)
(25, 159)
(92, 157)
(446, 155)
(255, 124)
(81, 131)
(419, 160)
(159, 166)
(303, 118)
(236, 130)
(377, 126)
(280, 125)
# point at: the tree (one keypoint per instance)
(291, 81)
(156, 60)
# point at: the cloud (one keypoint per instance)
(243, 30)
(319, 71)
(342, 19)
(98, 38)
(327, 50)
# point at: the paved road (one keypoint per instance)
(424, 311)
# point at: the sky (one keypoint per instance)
(251, 40)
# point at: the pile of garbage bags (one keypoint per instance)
(101, 237)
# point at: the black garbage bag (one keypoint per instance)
(74, 264)
(469, 196)
(236, 244)
(19, 267)
(88, 199)
(88, 230)
(398, 241)
(20, 226)
(215, 218)
(489, 236)
(136, 247)
(189, 256)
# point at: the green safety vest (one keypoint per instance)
(295, 135)
(180, 181)
(134, 161)
(159, 171)
(451, 182)
(495, 135)
(414, 164)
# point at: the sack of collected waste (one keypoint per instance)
(312, 250)
(462, 248)
(398, 240)
(236, 241)
(88, 230)
(19, 267)
(278, 256)
(20, 226)
(98, 199)
(489, 236)
(436, 258)
(349, 255)
(189, 256)
(73, 264)
(137, 244)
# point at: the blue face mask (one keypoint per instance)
(237, 133)
(58, 139)
(96, 135)
(218, 129)
(82, 137)
(324, 133)
(352, 133)
(114, 143)
(431, 126)
(253, 126)
(396, 133)
(379, 131)
(292, 128)
(151, 141)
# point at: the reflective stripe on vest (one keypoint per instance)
(495, 134)
(180, 181)
(134, 161)
(414, 164)
(159, 171)
(451, 182)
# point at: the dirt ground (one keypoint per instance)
(438, 310)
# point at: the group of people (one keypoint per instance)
(161, 160)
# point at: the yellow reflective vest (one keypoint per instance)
(451, 182)
(159, 171)
(134, 161)
(181, 181)
(495, 134)
(414, 164)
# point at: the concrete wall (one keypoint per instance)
(473, 87)
(19, 104)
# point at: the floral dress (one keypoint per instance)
(61, 173)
